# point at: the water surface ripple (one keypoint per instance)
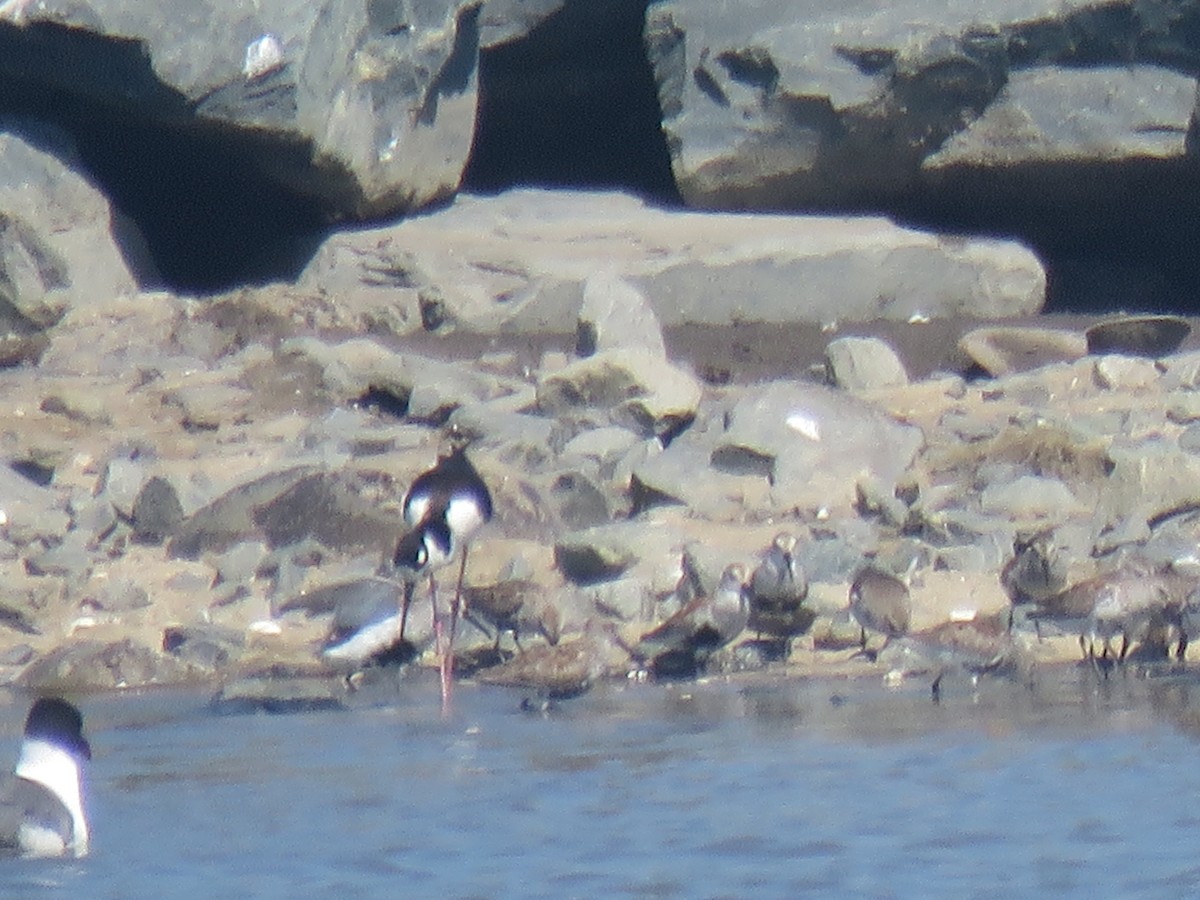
(1075, 786)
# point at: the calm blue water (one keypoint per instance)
(1076, 788)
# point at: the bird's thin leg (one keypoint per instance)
(439, 643)
(458, 604)
(405, 599)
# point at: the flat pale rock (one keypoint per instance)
(863, 364)
(1002, 350)
(520, 263)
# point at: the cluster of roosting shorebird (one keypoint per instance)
(1135, 604)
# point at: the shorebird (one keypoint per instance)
(41, 806)
(684, 642)
(1135, 602)
(1037, 570)
(366, 625)
(973, 644)
(557, 671)
(444, 508)
(879, 602)
(778, 587)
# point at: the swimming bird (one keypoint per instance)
(41, 806)
(879, 602)
(444, 508)
(778, 588)
(683, 643)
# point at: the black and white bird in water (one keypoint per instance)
(444, 508)
(41, 805)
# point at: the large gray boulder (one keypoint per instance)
(58, 244)
(786, 105)
(523, 262)
(368, 107)
(781, 446)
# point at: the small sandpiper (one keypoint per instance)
(1136, 601)
(879, 602)
(444, 507)
(778, 588)
(970, 643)
(41, 806)
(1037, 570)
(683, 643)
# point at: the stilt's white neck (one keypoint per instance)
(57, 771)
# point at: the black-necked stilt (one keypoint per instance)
(41, 808)
(879, 602)
(682, 644)
(778, 588)
(444, 508)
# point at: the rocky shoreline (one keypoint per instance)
(193, 484)
(660, 398)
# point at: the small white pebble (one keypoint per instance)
(81, 623)
(265, 626)
(963, 615)
(262, 56)
(805, 424)
(918, 318)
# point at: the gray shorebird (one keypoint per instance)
(41, 806)
(366, 625)
(557, 671)
(1037, 570)
(777, 591)
(683, 643)
(1134, 602)
(879, 602)
(444, 508)
(976, 646)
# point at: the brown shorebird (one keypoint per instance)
(683, 643)
(557, 671)
(778, 587)
(1136, 601)
(879, 602)
(1037, 570)
(977, 645)
(444, 508)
